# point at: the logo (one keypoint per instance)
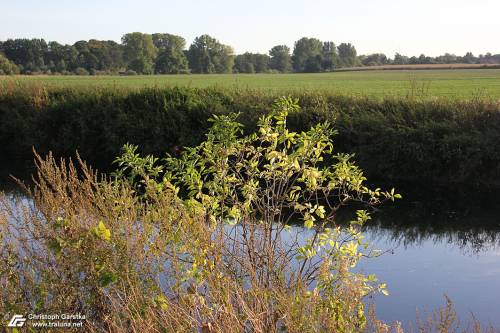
(17, 321)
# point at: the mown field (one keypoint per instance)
(456, 83)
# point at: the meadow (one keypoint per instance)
(455, 83)
(87, 256)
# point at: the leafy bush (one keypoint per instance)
(7, 67)
(249, 191)
(130, 72)
(81, 71)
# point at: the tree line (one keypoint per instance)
(163, 53)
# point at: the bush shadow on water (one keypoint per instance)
(467, 220)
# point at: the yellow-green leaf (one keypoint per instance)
(102, 232)
(308, 223)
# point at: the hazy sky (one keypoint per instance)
(406, 26)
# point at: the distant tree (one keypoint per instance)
(375, 59)
(243, 63)
(164, 53)
(261, 62)
(347, 55)
(109, 55)
(116, 54)
(447, 58)
(7, 67)
(208, 55)
(424, 60)
(251, 63)
(28, 54)
(164, 41)
(305, 55)
(489, 58)
(281, 59)
(171, 58)
(85, 58)
(61, 66)
(54, 52)
(171, 61)
(400, 59)
(314, 64)
(139, 52)
(63, 56)
(469, 58)
(329, 56)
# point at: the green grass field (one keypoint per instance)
(462, 83)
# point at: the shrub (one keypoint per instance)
(249, 191)
(130, 72)
(81, 71)
(7, 67)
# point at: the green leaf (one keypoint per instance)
(161, 301)
(54, 246)
(320, 211)
(102, 232)
(309, 223)
(106, 278)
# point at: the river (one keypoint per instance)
(443, 253)
(436, 248)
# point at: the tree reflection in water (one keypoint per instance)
(472, 227)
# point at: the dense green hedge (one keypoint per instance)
(440, 142)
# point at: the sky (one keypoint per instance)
(409, 27)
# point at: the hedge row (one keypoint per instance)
(441, 142)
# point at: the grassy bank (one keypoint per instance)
(427, 141)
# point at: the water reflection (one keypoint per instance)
(474, 230)
(451, 249)
(439, 247)
(472, 226)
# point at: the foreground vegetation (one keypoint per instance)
(202, 242)
(457, 83)
(396, 140)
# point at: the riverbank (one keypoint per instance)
(436, 142)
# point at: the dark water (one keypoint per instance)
(435, 251)
(437, 248)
